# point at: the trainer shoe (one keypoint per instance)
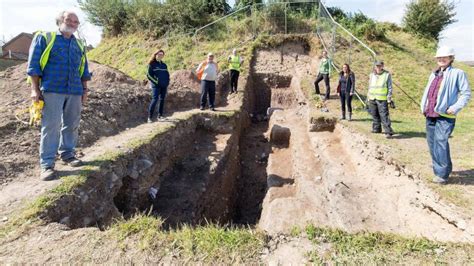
(439, 180)
(73, 161)
(47, 174)
(149, 120)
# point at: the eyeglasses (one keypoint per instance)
(68, 20)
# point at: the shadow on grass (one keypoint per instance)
(370, 120)
(409, 135)
(465, 177)
(83, 170)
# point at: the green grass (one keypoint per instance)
(412, 150)
(206, 243)
(410, 60)
(380, 248)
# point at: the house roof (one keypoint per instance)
(18, 36)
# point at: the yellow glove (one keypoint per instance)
(35, 112)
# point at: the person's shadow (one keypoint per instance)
(465, 177)
(409, 135)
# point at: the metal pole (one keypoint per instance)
(286, 21)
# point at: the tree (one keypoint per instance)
(429, 17)
(109, 14)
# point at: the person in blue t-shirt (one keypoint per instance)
(159, 78)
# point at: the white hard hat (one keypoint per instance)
(444, 51)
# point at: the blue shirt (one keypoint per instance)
(454, 92)
(61, 73)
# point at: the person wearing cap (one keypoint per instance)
(380, 96)
(207, 72)
(325, 66)
(446, 93)
(235, 61)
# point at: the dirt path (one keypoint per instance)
(344, 180)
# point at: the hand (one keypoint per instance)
(35, 94)
(450, 111)
(389, 99)
(351, 94)
(84, 98)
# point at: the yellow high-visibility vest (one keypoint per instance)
(50, 37)
(234, 62)
(378, 88)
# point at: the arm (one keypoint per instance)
(389, 86)
(86, 76)
(34, 70)
(85, 91)
(35, 91)
(199, 67)
(353, 81)
(151, 76)
(330, 66)
(464, 94)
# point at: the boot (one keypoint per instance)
(343, 116)
(350, 116)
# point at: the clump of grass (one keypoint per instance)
(207, 243)
(371, 246)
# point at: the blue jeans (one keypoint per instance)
(159, 94)
(59, 127)
(438, 131)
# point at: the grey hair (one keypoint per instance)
(62, 15)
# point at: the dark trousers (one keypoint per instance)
(326, 82)
(158, 94)
(234, 79)
(380, 114)
(208, 87)
(346, 98)
(438, 131)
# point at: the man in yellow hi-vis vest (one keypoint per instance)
(58, 69)
(235, 61)
(380, 95)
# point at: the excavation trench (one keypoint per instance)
(275, 163)
(209, 167)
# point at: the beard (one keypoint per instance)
(65, 28)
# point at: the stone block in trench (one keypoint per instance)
(280, 135)
(318, 124)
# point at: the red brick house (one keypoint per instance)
(18, 47)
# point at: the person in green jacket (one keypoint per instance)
(324, 72)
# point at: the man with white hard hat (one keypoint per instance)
(446, 93)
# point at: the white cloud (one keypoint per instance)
(461, 38)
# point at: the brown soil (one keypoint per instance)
(332, 178)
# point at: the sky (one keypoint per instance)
(18, 16)
(459, 35)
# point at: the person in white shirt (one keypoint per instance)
(207, 72)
